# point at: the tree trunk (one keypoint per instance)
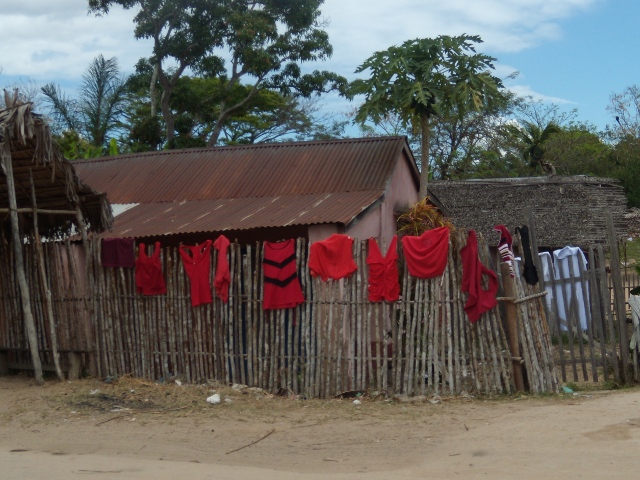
(424, 169)
(168, 116)
(152, 89)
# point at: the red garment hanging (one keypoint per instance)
(281, 285)
(384, 283)
(118, 252)
(479, 300)
(332, 258)
(223, 276)
(149, 278)
(197, 264)
(426, 255)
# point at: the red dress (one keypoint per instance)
(332, 258)
(149, 278)
(197, 264)
(384, 283)
(281, 284)
(223, 276)
(479, 300)
(426, 255)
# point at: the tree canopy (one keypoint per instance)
(259, 42)
(425, 78)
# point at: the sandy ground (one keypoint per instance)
(129, 429)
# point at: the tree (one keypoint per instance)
(625, 136)
(533, 140)
(97, 110)
(425, 78)
(265, 40)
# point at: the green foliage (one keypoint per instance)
(97, 110)
(425, 78)
(533, 139)
(266, 41)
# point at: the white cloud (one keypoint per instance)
(61, 39)
(55, 40)
(527, 91)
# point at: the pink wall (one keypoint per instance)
(400, 194)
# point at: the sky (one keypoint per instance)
(573, 53)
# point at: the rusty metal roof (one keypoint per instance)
(152, 219)
(244, 187)
(261, 170)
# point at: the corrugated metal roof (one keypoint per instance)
(219, 215)
(263, 170)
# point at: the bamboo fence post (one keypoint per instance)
(618, 295)
(606, 300)
(25, 297)
(44, 281)
(597, 308)
(512, 326)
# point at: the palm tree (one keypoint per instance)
(533, 138)
(99, 106)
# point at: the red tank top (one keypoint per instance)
(149, 278)
(197, 264)
(384, 283)
(281, 284)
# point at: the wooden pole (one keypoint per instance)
(512, 326)
(45, 282)
(618, 293)
(25, 296)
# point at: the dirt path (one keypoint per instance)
(138, 430)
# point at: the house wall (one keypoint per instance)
(400, 194)
(322, 231)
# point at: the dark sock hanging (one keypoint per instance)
(530, 273)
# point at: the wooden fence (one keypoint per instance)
(336, 341)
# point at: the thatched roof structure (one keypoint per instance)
(567, 210)
(25, 140)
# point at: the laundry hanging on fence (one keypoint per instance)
(570, 270)
(479, 299)
(426, 255)
(223, 276)
(505, 247)
(384, 283)
(149, 278)
(118, 252)
(281, 285)
(332, 258)
(197, 264)
(530, 272)
(546, 262)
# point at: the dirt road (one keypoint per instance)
(138, 430)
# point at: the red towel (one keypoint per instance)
(223, 276)
(118, 252)
(332, 258)
(426, 255)
(479, 300)
(384, 283)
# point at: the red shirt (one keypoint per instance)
(332, 258)
(281, 285)
(479, 300)
(197, 264)
(223, 276)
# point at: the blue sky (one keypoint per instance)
(574, 53)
